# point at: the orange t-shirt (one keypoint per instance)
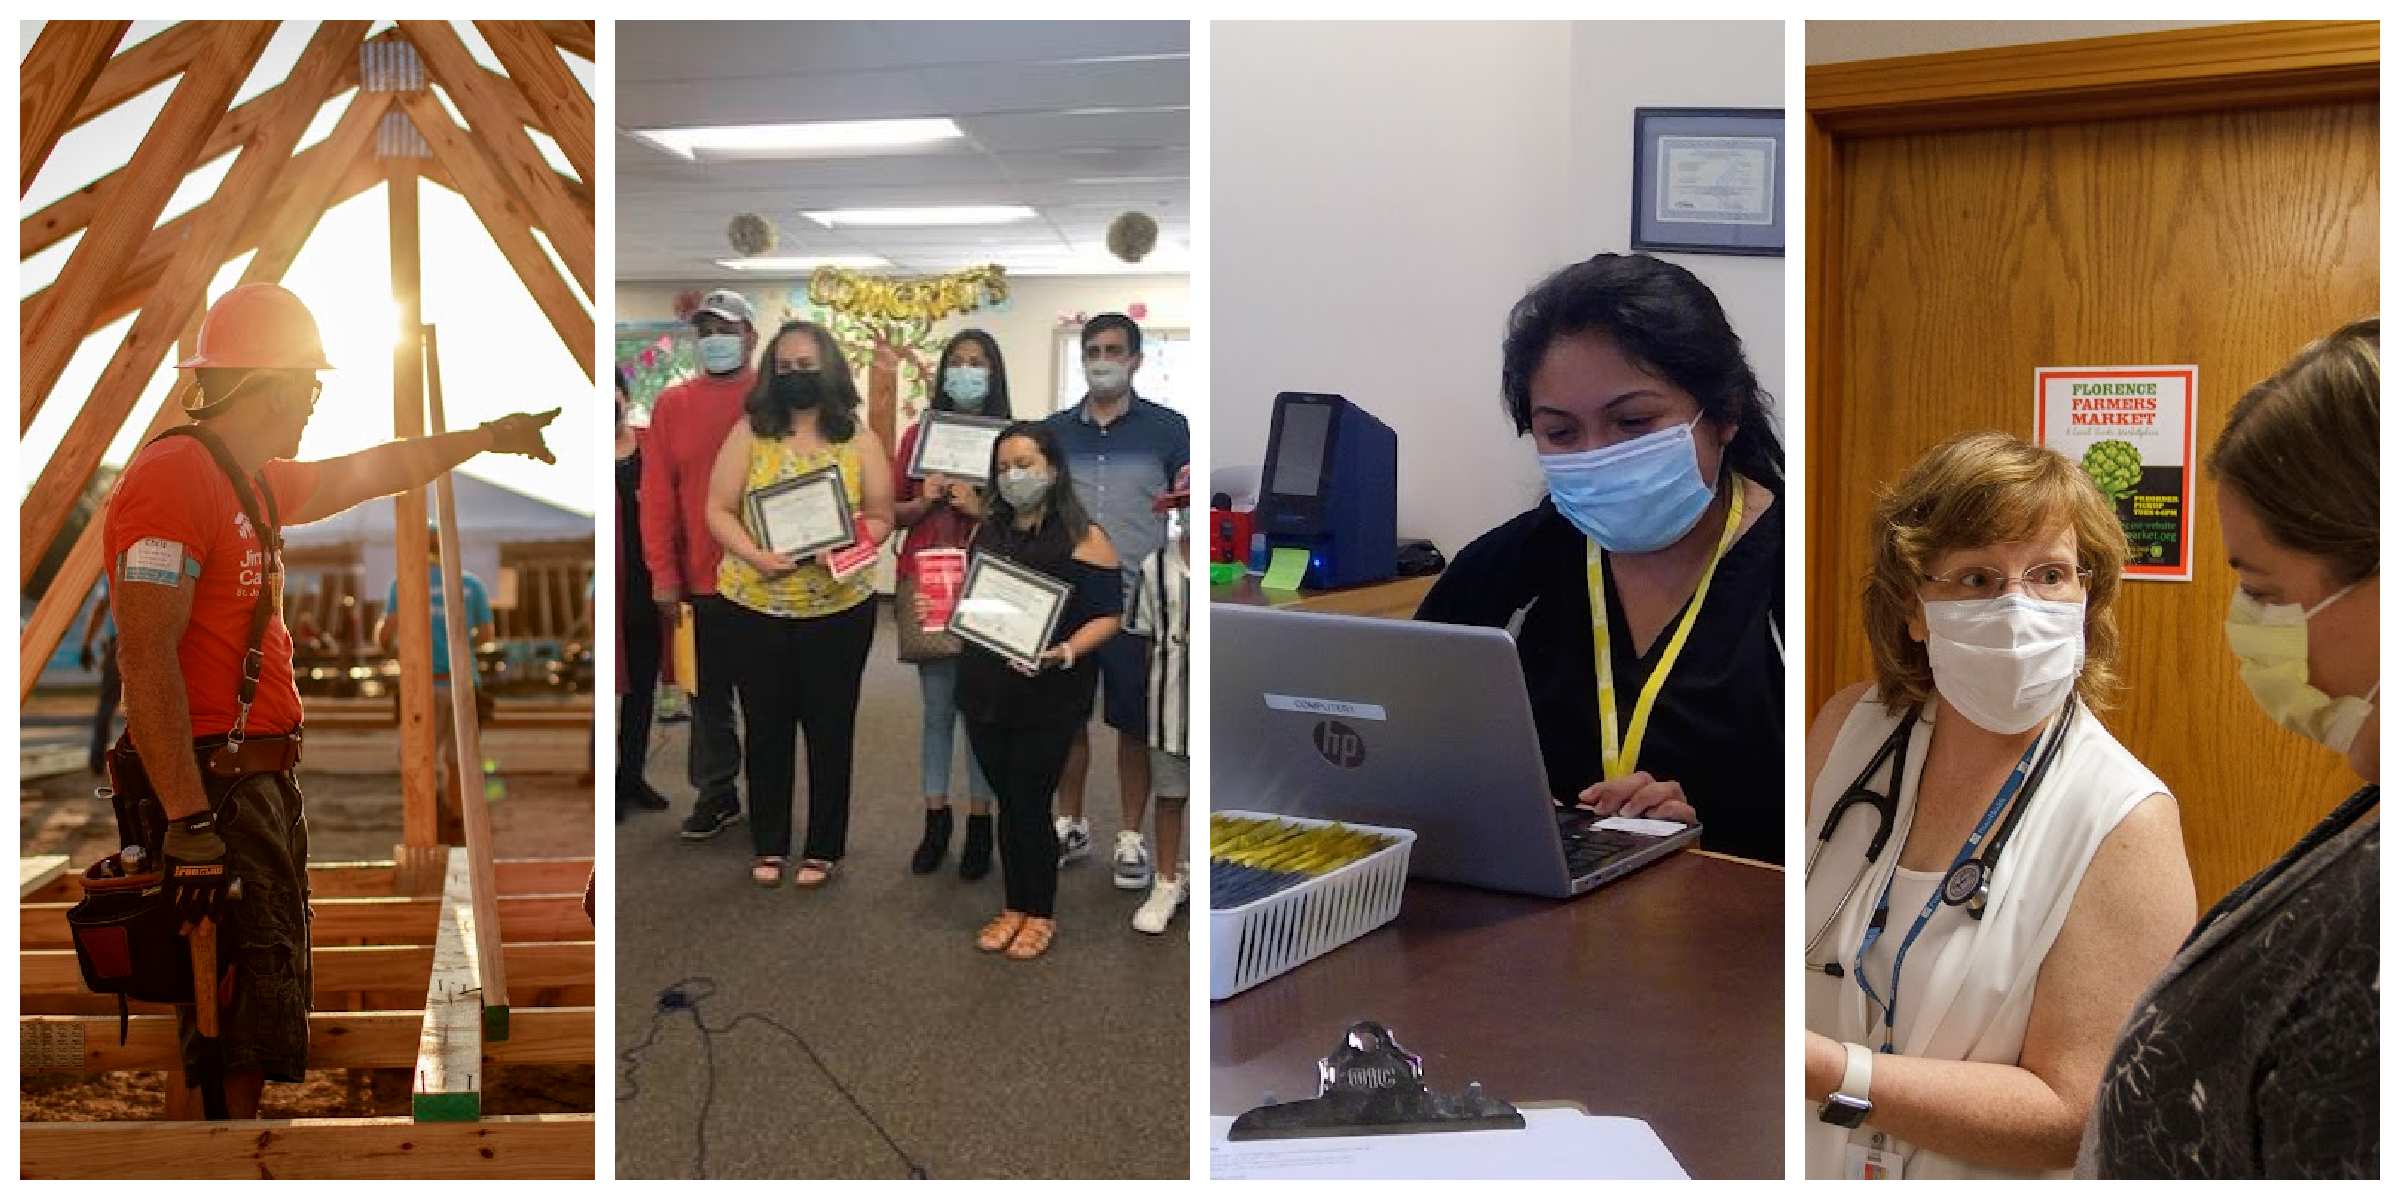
(173, 495)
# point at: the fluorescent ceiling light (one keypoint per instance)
(844, 262)
(960, 214)
(801, 139)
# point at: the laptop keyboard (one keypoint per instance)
(1590, 850)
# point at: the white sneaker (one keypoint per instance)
(1132, 861)
(1158, 908)
(1074, 839)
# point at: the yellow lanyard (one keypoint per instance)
(1618, 756)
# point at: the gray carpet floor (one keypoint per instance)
(1075, 1065)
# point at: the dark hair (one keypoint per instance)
(1061, 529)
(2303, 449)
(995, 402)
(837, 413)
(1664, 319)
(624, 380)
(1107, 321)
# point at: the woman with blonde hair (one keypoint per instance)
(2255, 1054)
(1992, 874)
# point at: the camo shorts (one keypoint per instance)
(265, 1027)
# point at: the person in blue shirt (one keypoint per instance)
(480, 622)
(1123, 452)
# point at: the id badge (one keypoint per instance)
(1870, 1155)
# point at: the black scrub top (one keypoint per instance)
(1717, 728)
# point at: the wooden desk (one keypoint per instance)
(1393, 598)
(1659, 996)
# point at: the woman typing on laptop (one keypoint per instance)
(1992, 876)
(1646, 589)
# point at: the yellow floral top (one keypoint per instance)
(811, 591)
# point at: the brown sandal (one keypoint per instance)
(1033, 938)
(766, 870)
(813, 873)
(1000, 931)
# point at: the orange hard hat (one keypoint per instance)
(259, 325)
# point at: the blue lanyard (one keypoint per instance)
(1883, 903)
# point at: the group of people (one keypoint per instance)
(2006, 972)
(1092, 497)
(2005, 975)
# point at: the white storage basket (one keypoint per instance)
(1255, 942)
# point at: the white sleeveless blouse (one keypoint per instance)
(1969, 986)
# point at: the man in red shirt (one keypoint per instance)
(216, 725)
(688, 424)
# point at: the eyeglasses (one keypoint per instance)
(2049, 581)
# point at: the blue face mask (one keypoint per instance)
(721, 353)
(967, 386)
(1635, 496)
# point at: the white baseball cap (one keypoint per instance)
(726, 303)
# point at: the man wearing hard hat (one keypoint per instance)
(194, 545)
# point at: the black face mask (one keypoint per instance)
(799, 390)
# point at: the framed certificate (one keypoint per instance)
(1008, 608)
(1708, 180)
(955, 444)
(804, 515)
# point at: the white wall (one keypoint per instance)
(1024, 327)
(1384, 192)
(1856, 41)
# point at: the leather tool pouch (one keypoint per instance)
(129, 939)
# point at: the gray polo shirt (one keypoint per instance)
(1120, 468)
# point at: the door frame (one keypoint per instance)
(2252, 65)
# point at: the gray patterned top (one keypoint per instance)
(2255, 1054)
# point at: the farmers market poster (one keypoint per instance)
(2132, 429)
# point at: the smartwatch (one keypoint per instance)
(1848, 1106)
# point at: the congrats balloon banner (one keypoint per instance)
(929, 298)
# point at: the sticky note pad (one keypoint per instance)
(1284, 569)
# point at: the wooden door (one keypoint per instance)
(1961, 260)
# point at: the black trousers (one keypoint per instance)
(642, 649)
(714, 758)
(1023, 764)
(800, 677)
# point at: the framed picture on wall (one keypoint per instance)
(1708, 180)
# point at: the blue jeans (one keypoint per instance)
(938, 681)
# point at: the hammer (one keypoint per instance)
(203, 943)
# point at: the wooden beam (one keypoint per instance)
(143, 66)
(74, 210)
(518, 877)
(39, 872)
(376, 920)
(505, 218)
(501, 136)
(538, 73)
(338, 969)
(574, 37)
(475, 811)
(132, 206)
(336, 1040)
(420, 742)
(181, 294)
(544, 1146)
(448, 1084)
(66, 60)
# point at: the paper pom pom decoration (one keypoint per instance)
(751, 234)
(1132, 235)
(685, 303)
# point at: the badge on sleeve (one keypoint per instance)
(156, 560)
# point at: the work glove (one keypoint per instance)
(521, 433)
(196, 872)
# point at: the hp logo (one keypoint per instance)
(1340, 744)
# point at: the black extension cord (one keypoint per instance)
(685, 997)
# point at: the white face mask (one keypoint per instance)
(1107, 378)
(2008, 662)
(2271, 640)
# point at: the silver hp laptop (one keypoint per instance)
(1410, 724)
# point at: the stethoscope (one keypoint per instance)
(1969, 881)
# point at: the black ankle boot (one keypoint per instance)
(936, 844)
(975, 860)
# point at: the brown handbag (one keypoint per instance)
(916, 645)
